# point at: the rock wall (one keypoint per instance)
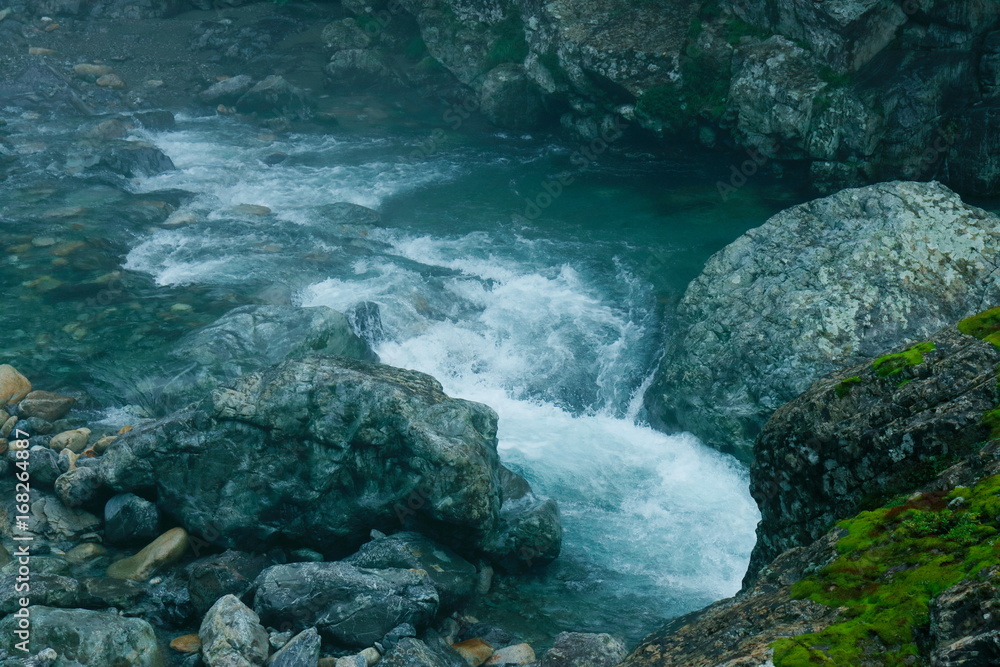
(853, 91)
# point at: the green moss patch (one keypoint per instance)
(845, 386)
(892, 562)
(984, 326)
(893, 364)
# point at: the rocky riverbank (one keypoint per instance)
(185, 523)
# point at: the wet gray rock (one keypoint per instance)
(36, 426)
(274, 96)
(301, 651)
(227, 91)
(228, 573)
(345, 34)
(129, 519)
(133, 159)
(232, 636)
(580, 649)
(411, 652)
(249, 338)
(965, 625)
(351, 606)
(453, 577)
(51, 590)
(509, 99)
(95, 638)
(45, 467)
(355, 67)
(363, 446)
(45, 405)
(49, 521)
(825, 284)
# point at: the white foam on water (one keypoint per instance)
(517, 324)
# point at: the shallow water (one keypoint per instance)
(552, 316)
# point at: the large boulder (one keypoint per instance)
(87, 638)
(249, 338)
(316, 452)
(351, 606)
(825, 284)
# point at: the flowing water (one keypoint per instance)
(552, 316)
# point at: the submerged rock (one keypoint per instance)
(226, 91)
(315, 452)
(229, 573)
(134, 159)
(348, 605)
(828, 283)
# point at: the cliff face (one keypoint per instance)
(902, 453)
(854, 91)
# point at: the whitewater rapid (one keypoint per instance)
(557, 334)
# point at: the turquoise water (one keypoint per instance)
(553, 315)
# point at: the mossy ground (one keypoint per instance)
(893, 364)
(891, 563)
(984, 326)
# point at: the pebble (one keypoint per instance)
(186, 644)
(8, 427)
(63, 212)
(82, 553)
(67, 248)
(165, 550)
(75, 440)
(46, 405)
(43, 241)
(371, 655)
(38, 51)
(181, 308)
(103, 443)
(474, 651)
(251, 209)
(178, 218)
(91, 72)
(110, 81)
(13, 385)
(518, 654)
